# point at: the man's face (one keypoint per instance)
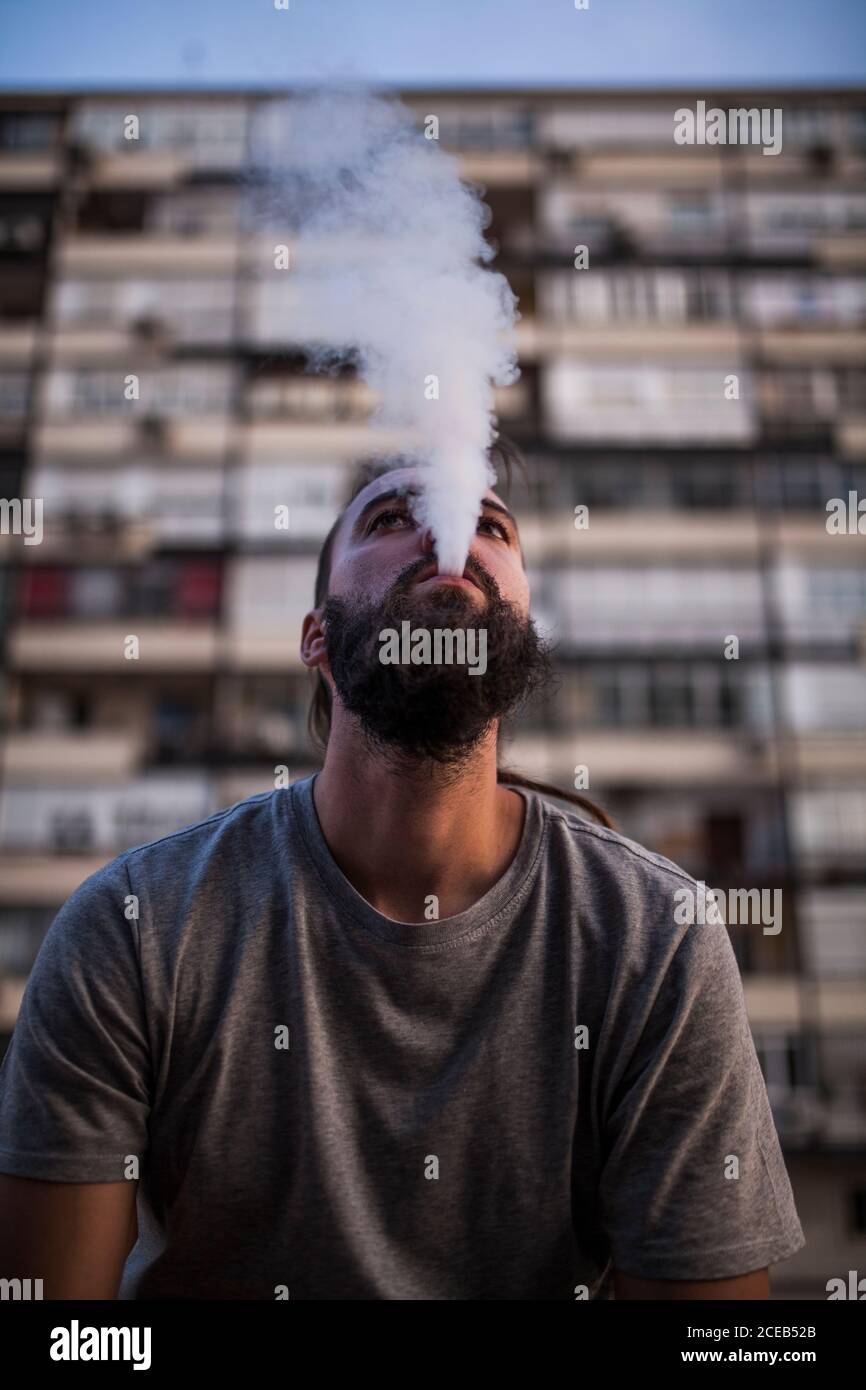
(383, 573)
(379, 540)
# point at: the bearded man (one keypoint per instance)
(406, 1029)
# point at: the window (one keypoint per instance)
(22, 931)
(210, 133)
(691, 212)
(23, 227)
(45, 592)
(28, 132)
(14, 394)
(194, 212)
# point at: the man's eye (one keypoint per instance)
(384, 516)
(488, 521)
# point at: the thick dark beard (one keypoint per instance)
(411, 715)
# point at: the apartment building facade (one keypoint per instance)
(692, 398)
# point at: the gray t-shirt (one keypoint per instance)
(329, 1104)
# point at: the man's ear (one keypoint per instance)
(314, 651)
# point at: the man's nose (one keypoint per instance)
(428, 541)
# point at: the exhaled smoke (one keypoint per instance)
(387, 266)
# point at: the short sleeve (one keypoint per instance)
(75, 1082)
(693, 1183)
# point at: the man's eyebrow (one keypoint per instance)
(403, 492)
(390, 496)
(498, 507)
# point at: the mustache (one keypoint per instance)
(406, 577)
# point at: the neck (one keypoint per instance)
(401, 832)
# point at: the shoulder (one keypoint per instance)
(609, 851)
(639, 907)
(205, 853)
(215, 833)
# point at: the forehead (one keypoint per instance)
(400, 478)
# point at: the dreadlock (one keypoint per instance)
(502, 451)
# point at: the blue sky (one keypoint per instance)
(222, 43)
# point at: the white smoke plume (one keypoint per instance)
(389, 261)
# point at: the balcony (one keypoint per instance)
(642, 532)
(81, 539)
(850, 438)
(44, 880)
(11, 994)
(151, 169)
(46, 756)
(841, 757)
(93, 645)
(135, 252)
(839, 250)
(630, 342)
(506, 168)
(20, 172)
(287, 439)
(678, 167)
(17, 344)
(772, 1001)
(806, 346)
(657, 758)
(110, 436)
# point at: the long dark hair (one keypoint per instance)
(503, 452)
